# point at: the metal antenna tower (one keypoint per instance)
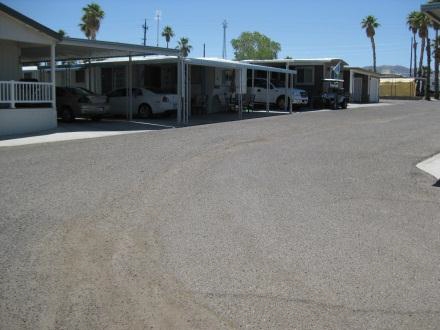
(225, 26)
(157, 18)
(145, 28)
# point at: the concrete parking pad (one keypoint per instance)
(431, 166)
(86, 129)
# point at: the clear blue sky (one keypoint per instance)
(305, 29)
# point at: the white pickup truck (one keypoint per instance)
(276, 95)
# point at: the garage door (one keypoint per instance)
(374, 90)
(357, 90)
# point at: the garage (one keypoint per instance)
(362, 85)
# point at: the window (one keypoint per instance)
(80, 76)
(305, 76)
(260, 83)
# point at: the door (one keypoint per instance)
(357, 90)
(374, 90)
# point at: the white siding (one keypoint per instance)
(9, 61)
(11, 29)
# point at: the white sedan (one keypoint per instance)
(145, 102)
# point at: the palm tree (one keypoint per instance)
(168, 33)
(436, 54)
(414, 28)
(91, 20)
(184, 46)
(423, 23)
(370, 24)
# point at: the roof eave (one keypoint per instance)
(28, 21)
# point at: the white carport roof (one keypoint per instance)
(81, 49)
(433, 11)
(305, 61)
(228, 64)
(201, 61)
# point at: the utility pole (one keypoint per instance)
(157, 18)
(204, 50)
(145, 28)
(225, 26)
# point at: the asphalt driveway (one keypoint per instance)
(315, 220)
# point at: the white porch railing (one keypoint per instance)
(12, 92)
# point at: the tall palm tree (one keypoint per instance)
(168, 33)
(91, 20)
(184, 46)
(436, 54)
(423, 23)
(411, 20)
(370, 24)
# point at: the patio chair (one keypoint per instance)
(249, 102)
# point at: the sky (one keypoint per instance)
(305, 29)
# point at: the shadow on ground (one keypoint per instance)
(82, 127)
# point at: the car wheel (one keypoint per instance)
(145, 111)
(67, 114)
(344, 104)
(281, 102)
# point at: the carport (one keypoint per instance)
(240, 81)
(73, 49)
(200, 82)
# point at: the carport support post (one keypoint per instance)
(286, 81)
(240, 98)
(267, 90)
(52, 74)
(179, 90)
(290, 103)
(187, 94)
(130, 88)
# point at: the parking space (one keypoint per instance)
(88, 129)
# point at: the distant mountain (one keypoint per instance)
(391, 69)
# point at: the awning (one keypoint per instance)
(433, 11)
(81, 49)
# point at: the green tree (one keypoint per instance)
(184, 46)
(91, 20)
(411, 20)
(168, 34)
(370, 24)
(62, 33)
(255, 46)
